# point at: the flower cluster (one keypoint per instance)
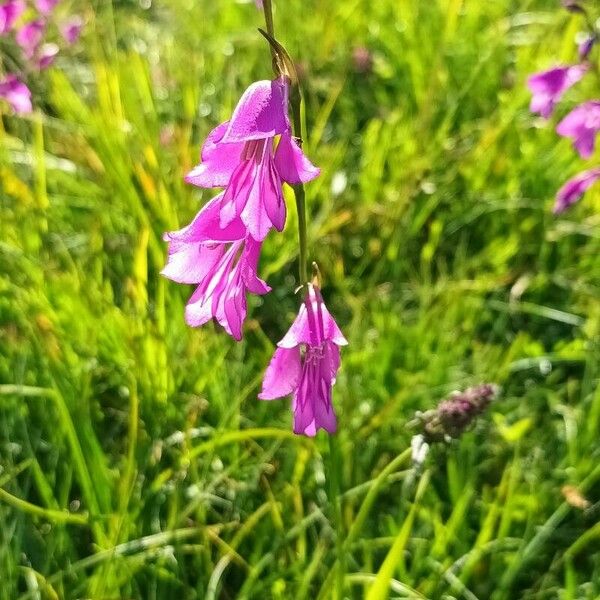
(583, 122)
(250, 157)
(455, 414)
(24, 33)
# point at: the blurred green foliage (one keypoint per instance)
(135, 459)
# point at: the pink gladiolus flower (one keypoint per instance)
(305, 365)
(71, 29)
(259, 4)
(582, 124)
(46, 6)
(16, 93)
(548, 87)
(222, 262)
(239, 155)
(29, 37)
(9, 13)
(571, 191)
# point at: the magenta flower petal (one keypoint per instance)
(573, 189)
(283, 374)
(254, 192)
(305, 365)
(71, 29)
(224, 271)
(205, 227)
(9, 12)
(239, 156)
(46, 6)
(265, 207)
(549, 86)
(307, 329)
(259, 4)
(312, 401)
(29, 37)
(261, 113)
(219, 160)
(253, 282)
(222, 293)
(582, 124)
(292, 164)
(16, 93)
(191, 263)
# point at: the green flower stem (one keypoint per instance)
(296, 109)
(268, 10)
(295, 103)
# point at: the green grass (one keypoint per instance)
(135, 459)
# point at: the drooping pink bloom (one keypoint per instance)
(259, 4)
(305, 364)
(582, 124)
(46, 55)
(71, 29)
(573, 189)
(240, 156)
(9, 12)
(46, 6)
(223, 263)
(16, 93)
(548, 87)
(30, 36)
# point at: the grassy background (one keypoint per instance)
(135, 459)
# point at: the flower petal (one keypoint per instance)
(29, 36)
(192, 262)
(9, 12)
(548, 86)
(71, 29)
(198, 310)
(219, 160)
(249, 268)
(206, 227)
(582, 124)
(282, 375)
(314, 327)
(260, 113)
(292, 164)
(16, 93)
(573, 189)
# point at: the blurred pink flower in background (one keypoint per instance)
(33, 43)
(29, 37)
(9, 12)
(71, 29)
(549, 86)
(16, 93)
(573, 189)
(582, 124)
(46, 6)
